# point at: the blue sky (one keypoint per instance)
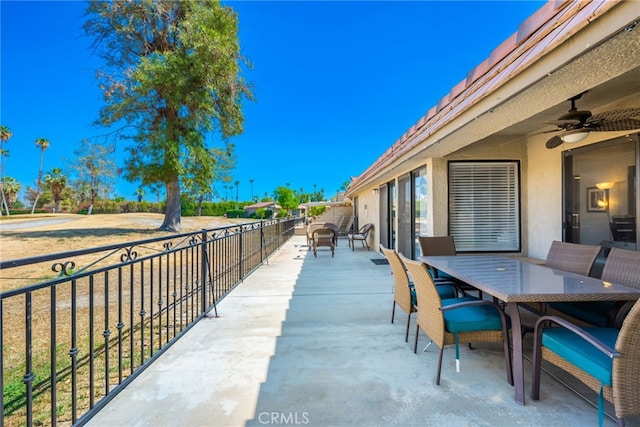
(336, 82)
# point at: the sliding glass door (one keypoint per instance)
(601, 193)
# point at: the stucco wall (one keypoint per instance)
(493, 150)
(368, 203)
(544, 196)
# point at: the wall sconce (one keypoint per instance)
(605, 185)
(575, 135)
(375, 191)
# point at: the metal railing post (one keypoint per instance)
(203, 272)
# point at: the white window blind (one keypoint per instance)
(484, 206)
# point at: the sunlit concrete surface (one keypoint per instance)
(308, 341)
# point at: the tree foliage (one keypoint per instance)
(5, 135)
(173, 75)
(286, 198)
(42, 144)
(56, 182)
(93, 170)
(11, 187)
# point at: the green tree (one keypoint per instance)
(43, 144)
(173, 75)
(11, 187)
(139, 193)
(5, 135)
(56, 181)
(286, 198)
(199, 185)
(93, 169)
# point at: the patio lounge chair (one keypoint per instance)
(345, 224)
(456, 320)
(362, 234)
(404, 294)
(607, 360)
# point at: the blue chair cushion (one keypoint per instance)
(580, 353)
(593, 312)
(443, 275)
(471, 318)
(445, 291)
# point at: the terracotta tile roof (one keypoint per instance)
(545, 30)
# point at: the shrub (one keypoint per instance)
(235, 213)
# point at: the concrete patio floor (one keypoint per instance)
(308, 341)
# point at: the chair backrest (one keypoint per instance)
(323, 236)
(365, 229)
(623, 268)
(626, 381)
(440, 245)
(401, 291)
(429, 317)
(331, 226)
(314, 226)
(572, 257)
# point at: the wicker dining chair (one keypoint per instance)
(456, 320)
(572, 257)
(443, 245)
(403, 289)
(622, 267)
(607, 360)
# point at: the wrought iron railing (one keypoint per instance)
(71, 341)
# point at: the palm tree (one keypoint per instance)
(5, 135)
(56, 182)
(11, 187)
(43, 144)
(237, 183)
(139, 193)
(251, 182)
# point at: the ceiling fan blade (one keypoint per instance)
(615, 115)
(553, 142)
(617, 125)
(563, 123)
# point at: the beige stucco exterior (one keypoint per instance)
(565, 49)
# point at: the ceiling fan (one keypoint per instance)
(576, 124)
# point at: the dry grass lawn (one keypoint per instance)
(23, 236)
(27, 236)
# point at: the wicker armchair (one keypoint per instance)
(362, 234)
(607, 360)
(623, 268)
(324, 237)
(404, 294)
(456, 320)
(316, 225)
(572, 257)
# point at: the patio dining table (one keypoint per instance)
(514, 281)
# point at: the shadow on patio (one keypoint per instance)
(308, 341)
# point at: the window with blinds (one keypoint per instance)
(484, 206)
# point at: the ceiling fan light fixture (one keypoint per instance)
(575, 136)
